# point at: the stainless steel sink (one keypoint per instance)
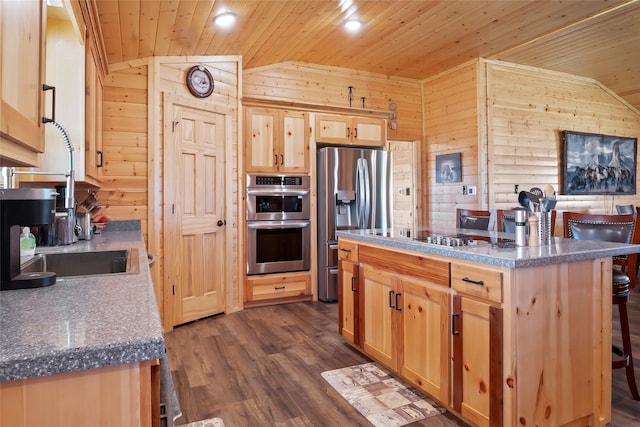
(68, 264)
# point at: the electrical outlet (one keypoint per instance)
(471, 190)
(464, 190)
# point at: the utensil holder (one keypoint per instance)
(544, 227)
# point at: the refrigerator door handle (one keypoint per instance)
(360, 194)
(367, 195)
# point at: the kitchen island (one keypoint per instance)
(82, 351)
(499, 335)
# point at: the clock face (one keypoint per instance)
(200, 81)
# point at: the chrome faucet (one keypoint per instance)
(8, 173)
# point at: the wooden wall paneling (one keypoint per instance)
(124, 194)
(405, 155)
(528, 109)
(451, 117)
(329, 86)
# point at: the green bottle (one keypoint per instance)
(27, 243)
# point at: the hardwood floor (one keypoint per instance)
(261, 367)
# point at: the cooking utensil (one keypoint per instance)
(524, 200)
(549, 204)
(537, 191)
(549, 191)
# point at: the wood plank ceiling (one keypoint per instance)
(414, 39)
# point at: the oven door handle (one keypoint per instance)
(271, 225)
(251, 192)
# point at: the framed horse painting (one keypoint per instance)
(598, 164)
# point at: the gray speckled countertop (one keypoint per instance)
(83, 322)
(491, 248)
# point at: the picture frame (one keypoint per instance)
(598, 164)
(449, 168)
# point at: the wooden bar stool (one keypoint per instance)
(621, 229)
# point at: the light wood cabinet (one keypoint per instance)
(71, 69)
(477, 343)
(495, 345)
(119, 395)
(265, 289)
(277, 140)
(348, 295)
(23, 72)
(404, 311)
(94, 158)
(350, 130)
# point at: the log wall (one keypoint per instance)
(528, 108)
(506, 120)
(451, 114)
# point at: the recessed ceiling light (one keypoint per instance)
(225, 19)
(353, 24)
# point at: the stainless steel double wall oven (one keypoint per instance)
(278, 223)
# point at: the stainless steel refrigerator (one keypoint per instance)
(354, 192)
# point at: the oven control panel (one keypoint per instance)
(301, 181)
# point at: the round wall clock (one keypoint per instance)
(200, 81)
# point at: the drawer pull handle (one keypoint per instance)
(353, 283)
(473, 282)
(391, 299)
(345, 250)
(280, 288)
(398, 308)
(453, 324)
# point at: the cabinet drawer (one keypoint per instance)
(262, 288)
(477, 281)
(348, 251)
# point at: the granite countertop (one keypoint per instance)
(492, 247)
(83, 322)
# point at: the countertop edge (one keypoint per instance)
(528, 256)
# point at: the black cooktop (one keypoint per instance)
(455, 240)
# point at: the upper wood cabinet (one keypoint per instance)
(93, 116)
(277, 140)
(72, 70)
(22, 70)
(354, 130)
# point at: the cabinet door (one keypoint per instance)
(22, 61)
(379, 316)
(369, 132)
(333, 129)
(425, 338)
(293, 143)
(477, 361)
(93, 117)
(261, 134)
(348, 301)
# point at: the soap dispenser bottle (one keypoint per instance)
(27, 243)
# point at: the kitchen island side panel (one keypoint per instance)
(557, 366)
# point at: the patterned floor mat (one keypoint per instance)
(379, 397)
(212, 422)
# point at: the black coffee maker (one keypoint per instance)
(20, 206)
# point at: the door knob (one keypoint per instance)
(220, 223)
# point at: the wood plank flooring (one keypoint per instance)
(261, 367)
